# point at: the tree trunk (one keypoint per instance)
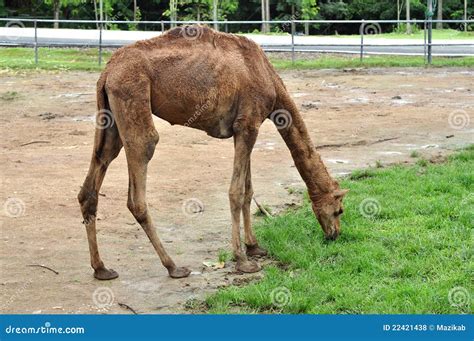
(439, 25)
(95, 13)
(398, 13)
(408, 17)
(214, 15)
(134, 10)
(267, 10)
(264, 14)
(173, 10)
(56, 8)
(465, 15)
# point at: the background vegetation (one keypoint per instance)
(235, 10)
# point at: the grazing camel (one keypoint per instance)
(220, 83)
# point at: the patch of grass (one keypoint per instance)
(87, 59)
(422, 162)
(52, 59)
(378, 164)
(414, 154)
(224, 256)
(9, 96)
(339, 62)
(404, 256)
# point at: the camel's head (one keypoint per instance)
(328, 209)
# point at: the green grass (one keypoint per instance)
(405, 258)
(445, 34)
(338, 62)
(87, 60)
(51, 59)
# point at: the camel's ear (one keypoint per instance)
(339, 194)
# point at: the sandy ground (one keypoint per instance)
(356, 117)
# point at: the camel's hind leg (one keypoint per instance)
(135, 123)
(107, 146)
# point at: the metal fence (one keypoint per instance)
(366, 28)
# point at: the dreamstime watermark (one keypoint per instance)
(104, 119)
(281, 118)
(14, 207)
(459, 119)
(203, 107)
(370, 28)
(459, 297)
(192, 32)
(14, 24)
(466, 25)
(192, 207)
(281, 297)
(17, 293)
(289, 19)
(103, 297)
(370, 207)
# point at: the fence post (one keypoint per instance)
(162, 27)
(362, 27)
(424, 42)
(430, 31)
(36, 43)
(100, 44)
(292, 42)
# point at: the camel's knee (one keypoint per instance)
(138, 210)
(150, 145)
(236, 197)
(88, 200)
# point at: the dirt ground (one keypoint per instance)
(355, 117)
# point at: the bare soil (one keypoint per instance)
(355, 117)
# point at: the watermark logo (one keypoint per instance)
(192, 32)
(459, 119)
(370, 28)
(15, 24)
(370, 207)
(103, 297)
(14, 207)
(192, 207)
(459, 297)
(280, 297)
(104, 119)
(281, 118)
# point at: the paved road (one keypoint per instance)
(71, 37)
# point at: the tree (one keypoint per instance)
(408, 17)
(439, 25)
(58, 4)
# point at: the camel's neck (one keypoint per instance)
(307, 159)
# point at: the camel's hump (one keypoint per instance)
(200, 33)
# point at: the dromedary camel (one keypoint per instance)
(220, 83)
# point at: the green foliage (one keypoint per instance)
(404, 259)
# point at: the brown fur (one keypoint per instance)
(219, 83)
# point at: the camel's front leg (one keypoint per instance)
(253, 249)
(243, 143)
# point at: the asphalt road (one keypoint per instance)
(269, 43)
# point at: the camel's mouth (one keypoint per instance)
(332, 236)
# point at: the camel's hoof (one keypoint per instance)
(247, 266)
(105, 274)
(179, 272)
(255, 250)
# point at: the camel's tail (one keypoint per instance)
(104, 119)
